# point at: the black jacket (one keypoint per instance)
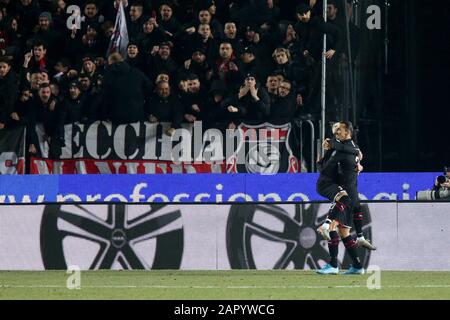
(189, 99)
(73, 110)
(156, 65)
(53, 39)
(125, 90)
(165, 109)
(40, 113)
(254, 67)
(28, 16)
(252, 110)
(45, 64)
(193, 42)
(201, 70)
(292, 71)
(135, 27)
(148, 40)
(138, 62)
(283, 108)
(311, 36)
(172, 26)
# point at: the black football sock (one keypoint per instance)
(358, 222)
(333, 248)
(350, 245)
(346, 201)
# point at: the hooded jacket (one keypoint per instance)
(125, 90)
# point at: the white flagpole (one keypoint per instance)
(324, 77)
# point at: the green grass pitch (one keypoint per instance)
(216, 285)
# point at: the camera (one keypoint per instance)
(438, 192)
(429, 195)
(441, 179)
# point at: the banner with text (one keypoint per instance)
(143, 148)
(199, 188)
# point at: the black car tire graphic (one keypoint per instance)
(115, 236)
(303, 246)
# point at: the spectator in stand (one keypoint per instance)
(107, 30)
(162, 61)
(100, 63)
(134, 57)
(8, 92)
(85, 83)
(93, 103)
(91, 14)
(165, 106)
(136, 21)
(10, 38)
(56, 91)
(230, 34)
(125, 91)
(285, 106)
(21, 108)
(290, 70)
(89, 67)
(310, 30)
(210, 5)
(288, 39)
(226, 68)
(167, 21)
(252, 103)
(272, 85)
(73, 108)
(91, 42)
(250, 36)
(338, 66)
(199, 66)
(285, 66)
(36, 79)
(27, 11)
(60, 14)
(336, 17)
(37, 60)
(44, 109)
(194, 100)
(151, 36)
(215, 110)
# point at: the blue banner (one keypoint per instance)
(199, 188)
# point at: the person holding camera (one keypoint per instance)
(441, 188)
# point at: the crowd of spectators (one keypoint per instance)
(219, 61)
